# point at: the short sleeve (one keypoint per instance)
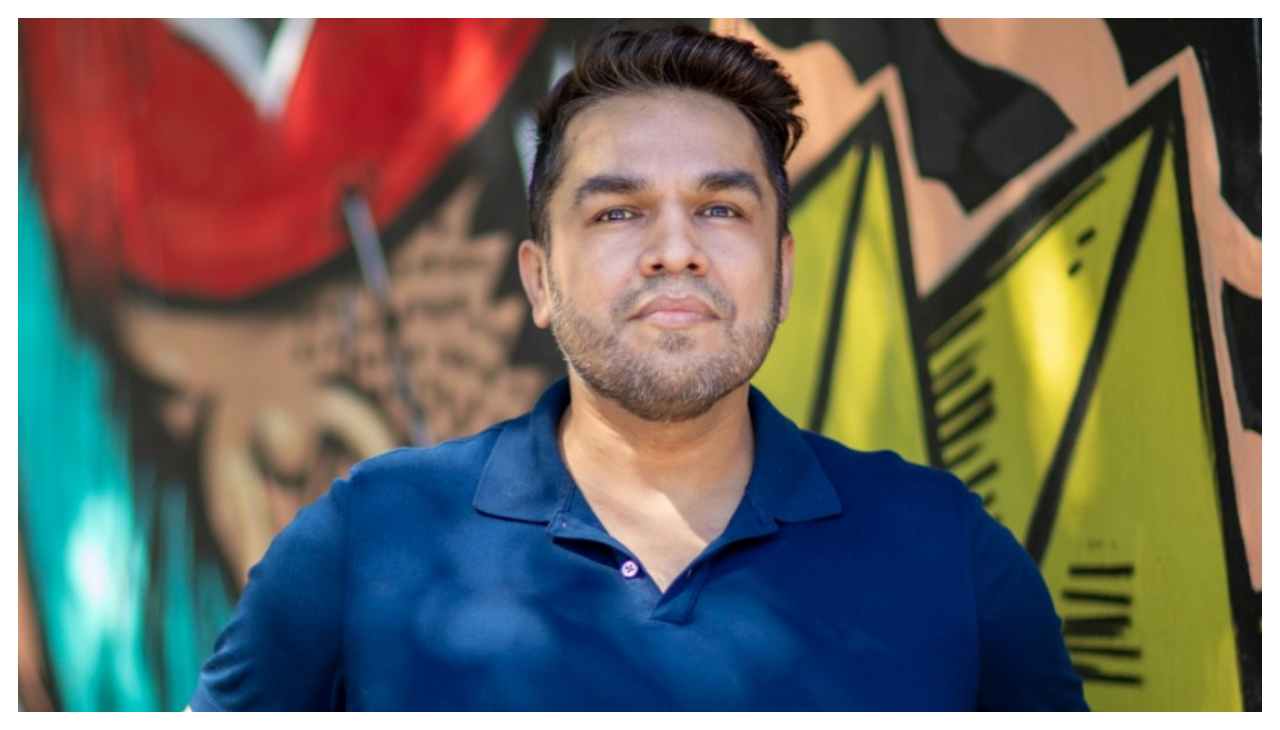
(1024, 662)
(282, 649)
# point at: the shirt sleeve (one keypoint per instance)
(282, 649)
(1024, 662)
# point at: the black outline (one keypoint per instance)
(1246, 603)
(831, 343)
(874, 132)
(1250, 413)
(1045, 513)
(1011, 238)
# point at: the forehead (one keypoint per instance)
(666, 136)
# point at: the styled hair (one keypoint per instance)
(677, 57)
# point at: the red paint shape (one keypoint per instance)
(155, 167)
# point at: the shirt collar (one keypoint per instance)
(525, 477)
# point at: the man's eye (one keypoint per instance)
(616, 214)
(720, 211)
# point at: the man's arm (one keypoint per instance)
(1024, 662)
(282, 649)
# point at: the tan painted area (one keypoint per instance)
(456, 336)
(241, 369)
(295, 397)
(1072, 60)
(1076, 63)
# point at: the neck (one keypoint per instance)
(609, 448)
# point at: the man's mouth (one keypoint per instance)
(666, 310)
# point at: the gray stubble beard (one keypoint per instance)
(646, 387)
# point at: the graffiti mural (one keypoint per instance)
(1020, 249)
(255, 252)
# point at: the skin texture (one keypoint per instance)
(663, 283)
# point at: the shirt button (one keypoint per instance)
(630, 569)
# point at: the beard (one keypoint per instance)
(667, 382)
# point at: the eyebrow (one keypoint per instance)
(608, 185)
(731, 180)
(626, 184)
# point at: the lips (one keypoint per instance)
(676, 310)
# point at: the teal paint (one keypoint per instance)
(83, 527)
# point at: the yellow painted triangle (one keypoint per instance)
(789, 375)
(1140, 491)
(875, 396)
(1006, 381)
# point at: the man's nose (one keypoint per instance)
(675, 247)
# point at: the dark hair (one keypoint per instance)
(680, 57)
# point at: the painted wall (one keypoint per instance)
(255, 252)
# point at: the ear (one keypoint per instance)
(534, 270)
(787, 261)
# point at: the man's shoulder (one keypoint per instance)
(884, 473)
(870, 464)
(456, 458)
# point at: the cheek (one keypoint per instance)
(592, 278)
(750, 266)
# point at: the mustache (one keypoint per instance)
(676, 286)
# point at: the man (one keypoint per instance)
(654, 534)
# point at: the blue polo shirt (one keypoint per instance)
(473, 575)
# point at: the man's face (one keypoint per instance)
(665, 279)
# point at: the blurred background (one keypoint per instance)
(255, 251)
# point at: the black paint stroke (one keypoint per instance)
(1014, 236)
(983, 474)
(875, 134)
(1122, 570)
(973, 127)
(1105, 626)
(980, 394)
(1246, 602)
(1045, 513)
(977, 420)
(1230, 61)
(1091, 673)
(963, 456)
(953, 328)
(1124, 652)
(844, 266)
(1119, 599)
(960, 378)
(1242, 320)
